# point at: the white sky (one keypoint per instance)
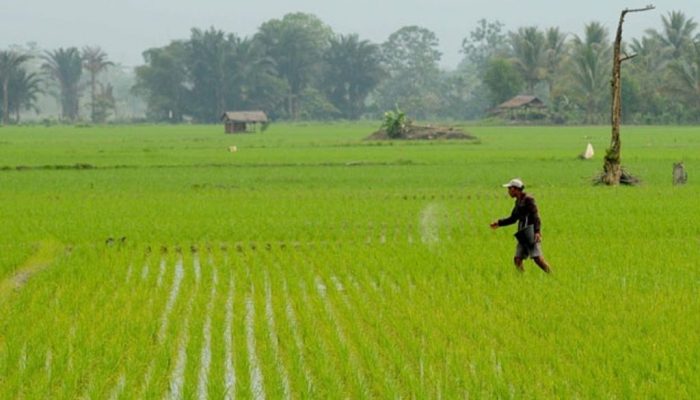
(125, 28)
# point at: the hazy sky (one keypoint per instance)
(125, 28)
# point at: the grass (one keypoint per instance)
(360, 269)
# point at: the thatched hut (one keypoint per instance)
(243, 121)
(521, 107)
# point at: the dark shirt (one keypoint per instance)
(524, 209)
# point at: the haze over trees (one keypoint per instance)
(352, 69)
(95, 62)
(65, 66)
(410, 58)
(297, 68)
(10, 71)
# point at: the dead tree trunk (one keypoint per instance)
(612, 168)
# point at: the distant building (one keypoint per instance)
(521, 107)
(243, 121)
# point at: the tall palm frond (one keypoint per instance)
(353, 70)
(529, 48)
(591, 62)
(555, 54)
(209, 60)
(65, 67)
(24, 90)
(677, 32)
(651, 55)
(10, 61)
(684, 79)
(94, 61)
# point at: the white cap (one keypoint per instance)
(516, 183)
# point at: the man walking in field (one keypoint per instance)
(526, 214)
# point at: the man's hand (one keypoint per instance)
(494, 225)
(538, 237)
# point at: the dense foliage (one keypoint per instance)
(297, 68)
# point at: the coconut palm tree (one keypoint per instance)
(591, 62)
(94, 61)
(648, 74)
(9, 62)
(255, 82)
(24, 89)
(652, 56)
(555, 53)
(529, 48)
(65, 67)
(296, 43)
(353, 70)
(677, 32)
(684, 79)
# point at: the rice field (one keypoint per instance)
(151, 262)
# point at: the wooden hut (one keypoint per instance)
(243, 121)
(521, 107)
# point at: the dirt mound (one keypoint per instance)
(416, 132)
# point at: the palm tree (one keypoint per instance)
(590, 61)
(652, 55)
(9, 62)
(94, 61)
(251, 61)
(684, 82)
(555, 52)
(677, 32)
(529, 48)
(104, 102)
(296, 43)
(24, 88)
(211, 66)
(648, 71)
(65, 66)
(255, 81)
(353, 71)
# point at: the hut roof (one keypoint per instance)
(244, 116)
(521, 101)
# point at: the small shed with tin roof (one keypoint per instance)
(243, 121)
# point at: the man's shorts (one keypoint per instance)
(524, 252)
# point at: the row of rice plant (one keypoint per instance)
(311, 264)
(368, 321)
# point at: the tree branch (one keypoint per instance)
(626, 57)
(647, 8)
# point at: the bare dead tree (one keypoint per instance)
(613, 174)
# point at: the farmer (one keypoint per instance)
(525, 213)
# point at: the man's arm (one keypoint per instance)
(506, 221)
(510, 220)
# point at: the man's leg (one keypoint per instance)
(542, 263)
(518, 261)
(520, 255)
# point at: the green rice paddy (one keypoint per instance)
(151, 262)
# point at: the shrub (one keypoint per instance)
(395, 123)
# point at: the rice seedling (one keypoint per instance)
(313, 264)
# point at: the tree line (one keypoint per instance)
(60, 74)
(297, 68)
